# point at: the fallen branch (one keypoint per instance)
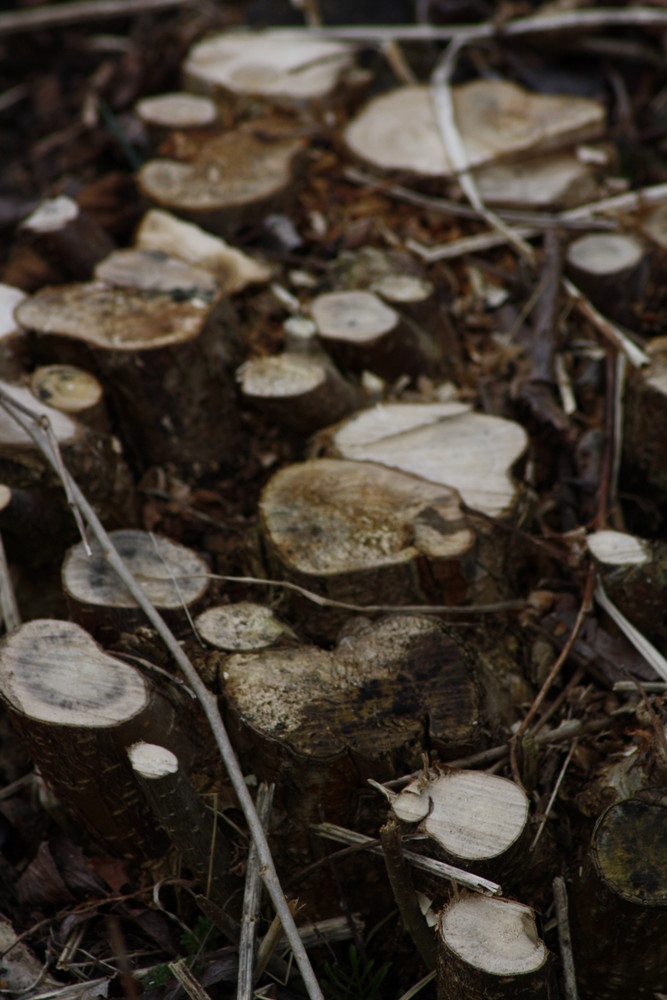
(38, 431)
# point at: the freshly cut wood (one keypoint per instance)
(559, 180)
(490, 948)
(94, 459)
(301, 336)
(14, 351)
(226, 182)
(71, 390)
(174, 578)
(299, 392)
(361, 331)
(634, 575)
(165, 361)
(242, 627)
(386, 692)
(76, 708)
(163, 113)
(497, 120)
(190, 826)
(361, 533)
(155, 271)
(65, 236)
(446, 443)
(232, 269)
(477, 820)
(645, 437)
(612, 269)
(619, 904)
(285, 67)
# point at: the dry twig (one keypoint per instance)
(82, 12)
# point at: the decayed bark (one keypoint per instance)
(645, 438)
(367, 535)
(363, 332)
(66, 237)
(190, 826)
(242, 627)
(612, 270)
(369, 708)
(618, 906)
(76, 708)
(302, 394)
(164, 359)
(475, 820)
(489, 949)
(173, 577)
(231, 180)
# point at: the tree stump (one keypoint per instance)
(174, 578)
(362, 332)
(229, 181)
(612, 270)
(161, 114)
(14, 353)
(233, 270)
(73, 391)
(326, 720)
(301, 393)
(164, 359)
(645, 438)
(60, 232)
(242, 628)
(489, 948)
(619, 904)
(154, 271)
(473, 820)
(76, 709)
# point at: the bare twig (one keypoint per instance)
(564, 939)
(251, 900)
(443, 105)
(554, 793)
(438, 868)
(208, 700)
(192, 986)
(63, 14)
(418, 987)
(652, 656)
(404, 893)
(609, 330)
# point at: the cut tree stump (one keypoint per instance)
(489, 948)
(72, 391)
(154, 271)
(174, 578)
(229, 181)
(326, 720)
(363, 332)
(286, 68)
(60, 232)
(645, 410)
(242, 628)
(161, 114)
(619, 904)
(76, 708)
(556, 181)
(634, 574)
(14, 351)
(164, 359)
(367, 535)
(233, 270)
(301, 393)
(474, 820)
(612, 269)
(95, 461)
(497, 120)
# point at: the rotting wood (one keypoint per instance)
(491, 948)
(618, 906)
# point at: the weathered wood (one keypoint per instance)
(302, 394)
(489, 949)
(242, 628)
(164, 359)
(618, 904)
(161, 114)
(612, 270)
(173, 577)
(76, 708)
(231, 180)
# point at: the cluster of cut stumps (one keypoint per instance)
(401, 504)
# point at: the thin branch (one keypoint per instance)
(206, 698)
(565, 940)
(251, 900)
(64, 14)
(554, 793)
(652, 656)
(443, 105)
(609, 330)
